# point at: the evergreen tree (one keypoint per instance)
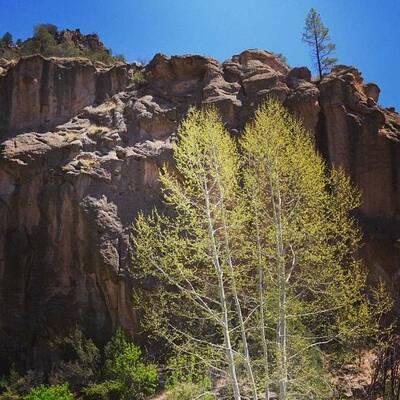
(316, 35)
(6, 46)
(6, 40)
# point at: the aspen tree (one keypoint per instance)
(251, 264)
(195, 250)
(311, 282)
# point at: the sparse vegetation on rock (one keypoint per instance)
(137, 78)
(48, 41)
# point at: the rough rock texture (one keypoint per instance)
(80, 40)
(68, 196)
(38, 93)
(363, 138)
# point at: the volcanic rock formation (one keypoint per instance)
(70, 189)
(38, 93)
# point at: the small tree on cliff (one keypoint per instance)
(6, 44)
(6, 40)
(316, 35)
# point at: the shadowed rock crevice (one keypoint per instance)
(321, 137)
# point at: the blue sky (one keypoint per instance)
(366, 32)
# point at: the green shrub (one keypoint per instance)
(184, 368)
(124, 364)
(137, 78)
(119, 57)
(186, 379)
(107, 390)
(15, 385)
(79, 360)
(189, 391)
(52, 392)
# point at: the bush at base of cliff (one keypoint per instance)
(14, 386)
(126, 375)
(124, 363)
(188, 391)
(52, 392)
(78, 363)
(107, 390)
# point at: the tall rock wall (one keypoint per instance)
(69, 195)
(38, 93)
(358, 135)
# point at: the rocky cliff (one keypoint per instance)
(76, 165)
(38, 94)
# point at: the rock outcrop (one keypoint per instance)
(80, 40)
(38, 93)
(69, 194)
(363, 138)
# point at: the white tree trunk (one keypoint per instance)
(222, 296)
(261, 305)
(235, 293)
(281, 328)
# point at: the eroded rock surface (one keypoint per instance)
(69, 195)
(363, 138)
(38, 93)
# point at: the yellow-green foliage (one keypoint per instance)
(266, 224)
(298, 212)
(186, 379)
(50, 392)
(185, 368)
(137, 78)
(189, 391)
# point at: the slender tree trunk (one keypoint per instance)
(318, 55)
(221, 289)
(261, 304)
(243, 334)
(235, 293)
(281, 328)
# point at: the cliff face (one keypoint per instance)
(69, 195)
(38, 94)
(355, 133)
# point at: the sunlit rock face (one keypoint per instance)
(357, 134)
(76, 165)
(38, 93)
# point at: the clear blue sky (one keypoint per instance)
(366, 32)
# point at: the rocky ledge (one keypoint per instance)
(70, 189)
